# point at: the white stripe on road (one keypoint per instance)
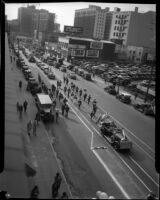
(102, 162)
(113, 149)
(144, 171)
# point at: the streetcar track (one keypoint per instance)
(113, 149)
(130, 132)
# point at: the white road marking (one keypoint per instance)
(115, 180)
(144, 172)
(101, 161)
(113, 149)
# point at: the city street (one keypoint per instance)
(59, 142)
(139, 162)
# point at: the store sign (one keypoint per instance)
(77, 46)
(78, 52)
(96, 45)
(73, 29)
(92, 53)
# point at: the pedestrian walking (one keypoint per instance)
(38, 117)
(58, 180)
(54, 103)
(17, 105)
(20, 84)
(80, 92)
(34, 127)
(25, 104)
(65, 89)
(69, 90)
(89, 99)
(56, 185)
(85, 96)
(57, 115)
(64, 196)
(29, 128)
(136, 95)
(65, 100)
(79, 103)
(34, 192)
(57, 92)
(20, 110)
(63, 108)
(66, 110)
(92, 114)
(54, 190)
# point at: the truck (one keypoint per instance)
(44, 105)
(115, 135)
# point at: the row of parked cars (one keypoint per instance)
(145, 108)
(39, 92)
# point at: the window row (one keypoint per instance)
(119, 34)
(119, 28)
(121, 22)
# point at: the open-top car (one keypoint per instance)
(115, 135)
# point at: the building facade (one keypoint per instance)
(92, 20)
(85, 48)
(25, 18)
(133, 28)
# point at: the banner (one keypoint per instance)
(73, 29)
(78, 52)
(92, 53)
(96, 45)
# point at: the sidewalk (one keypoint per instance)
(37, 152)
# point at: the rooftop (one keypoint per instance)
(44, 99)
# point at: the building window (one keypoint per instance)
(139, 53)
(115, 28)
(118, 28)
(116, 22)
(114, 34)
(133, 52)
(117, 34)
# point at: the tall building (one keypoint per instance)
(43, 23)
(133, 28)
(92, 20)
(25, 18)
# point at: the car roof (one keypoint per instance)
(125, 93)
(44, 99)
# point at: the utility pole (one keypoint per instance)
(148, 86)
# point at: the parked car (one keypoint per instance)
(63, 69)
(51, 75)
(110, 89)
(124, 97)
(87, 76)
(72, 75)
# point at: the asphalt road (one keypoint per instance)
(135, 172)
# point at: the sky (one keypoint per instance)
(65, 11)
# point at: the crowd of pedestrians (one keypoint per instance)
(79, 95)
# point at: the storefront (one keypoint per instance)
(84, 48)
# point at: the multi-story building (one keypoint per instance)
(92, 20)
(85, 48)
(133, 28)
(25, 18)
